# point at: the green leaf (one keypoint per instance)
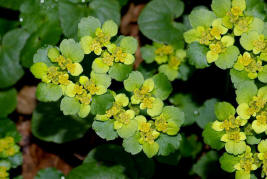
(101, 9)
(51, 173)
(228, 162)
(16, 160)
(206, 165)
(72, 50)
(150, 149)
(262, 76)
(10, 69)
(129, 44)
(96, 171)
(41, 20)
(245, 92)
(201, 17)
(100, 104)
(41, 56)
(223, 110)
(168, 144)
(172, 159)
(128, 130)
(8, 128)
(106, 10)
(135, 80)
(239, 77)
(228, 58)
(158, 23)
(11, 4)
(186, 104)
(255, 8)
(206, 113)
(48, 92)
(8, 102)
(6, 25)
(190, 146)
(197, 55)
(148, 53)
(252, 140)
(108, 154)
(120, 71)
(61, 128)
(163, 87)
(87, 26)
(105, 129)
(221, 7)
(132, 145)
(212, 137)
(70, 106)
(69, 23)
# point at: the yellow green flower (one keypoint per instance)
(219, 47)
(260, 124)
(147, 136)
(254, 41)
(250, 65)
(246, 164)
(8, 147)
(234, 141)
(169, 121)
(4, 172)
(254, 106)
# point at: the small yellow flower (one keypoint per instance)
(3, 172)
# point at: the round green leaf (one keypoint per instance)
(206, 113)
(262, 76)
(8, 128)
(150, 149)
(105, 129)
(190, 146)
(100, 104)
(129, 44)
(96, 171)
(132, 145)
(207, 165)
(120, 71)
(197, 55)
(48, 92)
(61, 128)
(41, 56)
(8, 102)
(158, 23)
(110, 27)
(168, 144)
(221, 7)
(201, 17)
(163, 87)
(87, 26)
(186, 104)
(245, 92)
(224, 110)
(69, 106)
(51, 173)
(148, 53)
(128, 130)
(228, 58)
(212, 137)
(239, 77)
(72, 50)
(135, 80)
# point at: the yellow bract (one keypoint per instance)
(247, 162)
(3, 172)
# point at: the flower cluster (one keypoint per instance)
(167, 57)
(136, 113)
(218, 31)
(128, 115)
(8, 148)
(61, 70)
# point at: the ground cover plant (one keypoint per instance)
(133, 89)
